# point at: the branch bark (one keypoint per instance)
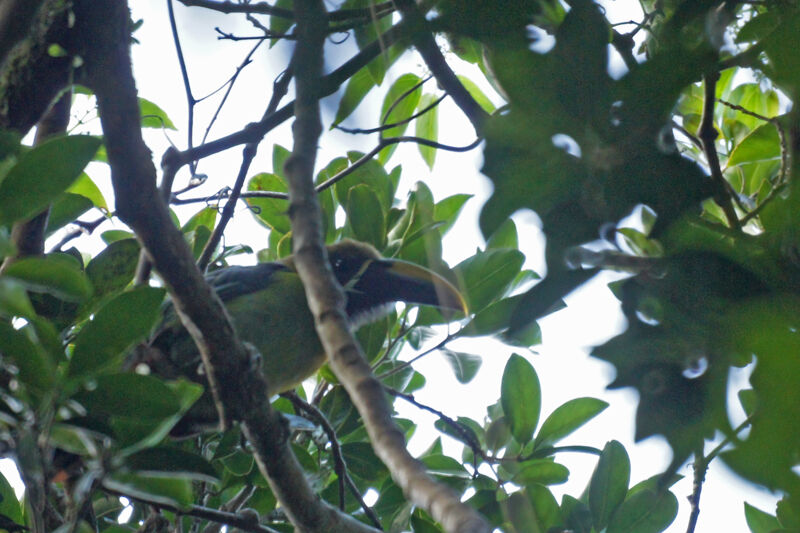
(239, 389)
(326, 300)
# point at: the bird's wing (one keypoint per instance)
(235, 281)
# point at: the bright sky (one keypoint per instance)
(592, 316)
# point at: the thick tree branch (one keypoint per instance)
(30, 78)
(15, 20)
(326, 299)
(239, 389)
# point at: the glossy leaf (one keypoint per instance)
(42, 173)
(65, 209)
(171, 462)
(486, 275)
(427, 127)
(567, 418)
(153, 116)
(365, 215)
(171, 491)
(521, 396)
(465, 365)
(542, 471)
(35, 367)
(10, 507)
(645, 511)
(398, 105)
(269, 211)
(358, 86)
(477, 94)
(56, 274)
(121, 322)
(609, 483)
(113, 268)
(87, 188)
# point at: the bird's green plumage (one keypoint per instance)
(268, 308)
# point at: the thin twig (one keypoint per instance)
(385, 127)
(280, 87)
(340, 466)
(245, 523)
(780, 181)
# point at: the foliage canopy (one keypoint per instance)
(675, 167)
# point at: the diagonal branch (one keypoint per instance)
(425, 44)
(239, 390)
(708, 135)
(326, 300)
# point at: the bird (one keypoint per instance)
(268, 309)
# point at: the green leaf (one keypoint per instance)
(609, 483)
(168, 461)
(498, 434)
(87, 188)
(363, 463)
(567, 418)
(477, 94)
(761, 144)
(113, 268)
(170, 490)
(269, 211)
(279, 157)
(645, 511)
(427, 127)
(14, 299)
(370, 173)
(504, 237)
(448, 209)
(153, 116)
(365, 216)
(464, 365)
(56, 274)
(35, 367)
(358, 86)
(402, 105)
(486, 275)
(130, 395)
(114, 235)
(42, 173)
(65, 209)
(280, 25)
(542, 471)
(121, 322)
(758, 521)
(10, 507)
(521, 397)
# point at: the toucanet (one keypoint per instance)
(268, 308)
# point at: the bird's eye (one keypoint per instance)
(337, 263)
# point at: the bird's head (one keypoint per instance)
(372, 283)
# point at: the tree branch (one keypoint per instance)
(236, 520)
(326, 300)
(326, 86)
(426, 45)
(239, 389)
(707, 135)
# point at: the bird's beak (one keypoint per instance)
(412, 283)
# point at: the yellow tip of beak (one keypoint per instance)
(449, 298)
